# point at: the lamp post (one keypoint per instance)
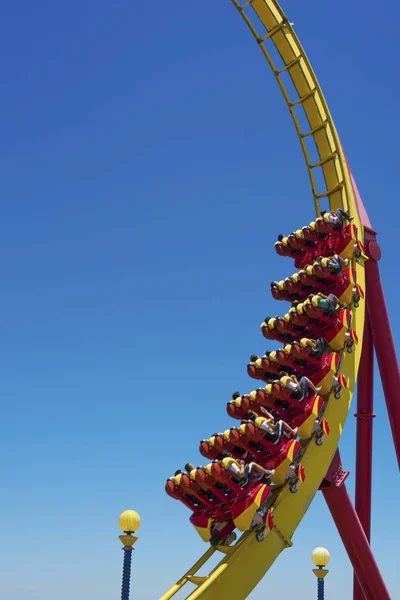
(320, 558)
(129, 522)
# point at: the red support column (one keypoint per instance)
(355, 542)
(383, 342)
(364, 416)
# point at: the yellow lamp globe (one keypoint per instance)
(129, 521)
(320, 557)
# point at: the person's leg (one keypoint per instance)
(319, 348)
(333, 303)
(335, 265)
(258, 469)
(247, 475)
(303, 388)
(279, 428)
(342, 214)
(287, 429)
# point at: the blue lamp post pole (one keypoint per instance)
(129, 522)
(320, 557)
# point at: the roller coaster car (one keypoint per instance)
(280, 329)
(319, 370)
(248, 500)
(261, 368)
(289, 470)
(235, 409)
(310, 421)
(247, 512)
(283, 248)
(346, 243)
(273, 395)
(324, 226)
(239, 407)
(240, 440)
(305, 351)
(218, 443)
(217, 531)
(282, 458)
(207, 494)
(326, 242)
(296, 240)
(256, 434)
(311, 234)
(335, 330)
(341, 285)
(187, 497)
(280, 357)
(203, 478)
(208, 449)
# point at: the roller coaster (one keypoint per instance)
(265, 471)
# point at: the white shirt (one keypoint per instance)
(234, 468)
(291, 385)
(266, 426)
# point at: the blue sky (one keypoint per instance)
(148, 164)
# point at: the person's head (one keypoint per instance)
(225, 454)
(250, 416)
(235, 395)
(282, 374)
(178, 472)
(189, 467)
(253, 358)
(280, 237)
(323, 212)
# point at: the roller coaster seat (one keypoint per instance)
(190, 500)
(208, 450)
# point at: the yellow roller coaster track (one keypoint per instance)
(244, 564)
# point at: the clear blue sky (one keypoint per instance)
(148, 162)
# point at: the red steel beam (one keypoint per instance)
(364, 417)
(383, 342)
(355, 542)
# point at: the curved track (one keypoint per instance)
(244, 564)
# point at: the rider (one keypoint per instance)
(317, 347)
(329, 304)
(300, 389)
(336, 263)
(336, 217)
(274, 430)
(246, 472)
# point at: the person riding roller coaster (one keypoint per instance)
(335, 263)
(329, 304)
(300, 390)
(336, 218)
(274, 430)
(245, 473)
(316, 347)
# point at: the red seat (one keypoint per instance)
(204, 480)
(222, 475)
(190, 500)
(257, 434)
(208, 451)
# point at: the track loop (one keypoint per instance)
(267, 16)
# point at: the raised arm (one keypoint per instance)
(266, 413)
